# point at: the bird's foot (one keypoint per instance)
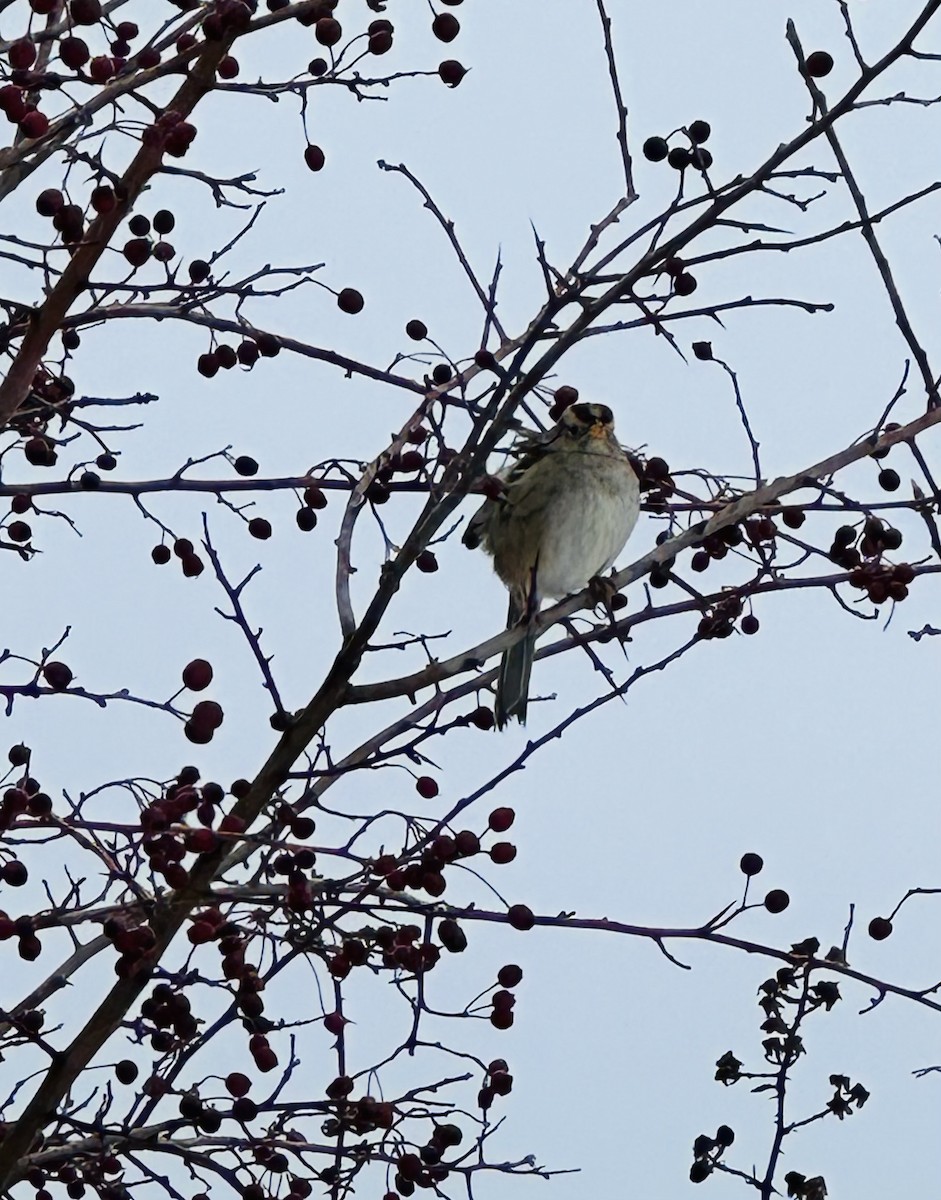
(604, 593)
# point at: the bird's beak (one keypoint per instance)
(597, 430)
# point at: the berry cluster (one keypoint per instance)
(656, 149)
(192, 565)
(499, 1082)
(248, 351)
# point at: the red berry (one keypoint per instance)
(467, 843)
(268, 345)
(380, 42)
(103, 199)
(197, 675)
(85, 12)
(426, 787)
(451, 72)
(880, 928)
(315, 158)
(179, 139)
(49, 202)
(201, 841)
(39, 452)
(34, 124)
(137, 251)
(501, 819)
(751, 864)
(259, 528)
(12, 102)
(237, 1084)
(57, 675)
(160, 554)
(74, 52)
(426, 562)
(334, 1023)
(14, 873)
(502, 853)
(101, 68)
(328, 31)
(22, 54)
(228, 68)
(207, 714)
(520, 916)
(510, 975)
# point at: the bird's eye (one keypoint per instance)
(583, 413)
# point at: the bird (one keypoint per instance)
(566, 508)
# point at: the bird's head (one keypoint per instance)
(587, 420)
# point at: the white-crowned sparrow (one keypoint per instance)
(569, 504)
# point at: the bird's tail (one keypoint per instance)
(515, 668)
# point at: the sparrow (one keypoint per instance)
(568, 505)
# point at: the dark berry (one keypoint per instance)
(350, 301)
(777, 901)
(889, 480)
(678, 158)
(445, 27)
(197, 675)
(57, 675)
(818, 64)
(416, 330)
(521, 917)
(656, 149)
(451, 72)
(328, 31)
(315, 158)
